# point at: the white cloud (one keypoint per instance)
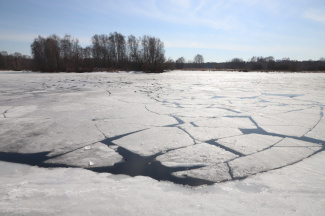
(315, 15)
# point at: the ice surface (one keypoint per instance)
(96, 155)
(200, 154)
(30, 135)
(214, 173)
(155, 140)
(19, 111)
(317, 132)
(206, 133)
(226, 122)
(286, 152)
(268, 127)
(293, 190)
(250, 143)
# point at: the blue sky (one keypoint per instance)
(218, 29)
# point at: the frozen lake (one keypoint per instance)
(180, 142)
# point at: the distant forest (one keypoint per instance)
(116, 52)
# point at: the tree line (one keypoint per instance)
(15, 61)
(256, 63)
(107, 52)
(270, 64)
(115, 52)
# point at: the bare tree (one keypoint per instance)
(70, 53)
(153, 54)
(198, 60)
(52, 52)
(38, 53)
(3, 59)
(180, 63)
(76, 54)
(17, 61)
(87, 61)
(237, 63)
(169, 64)
(100, 50)
(66, 50)
(134, 52)
(117, 49)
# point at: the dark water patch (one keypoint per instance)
(32, 159)
(132, 165)
(137, 165)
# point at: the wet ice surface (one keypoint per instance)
(189, 128)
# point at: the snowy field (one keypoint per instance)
(177, 143)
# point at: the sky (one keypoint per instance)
(217, 29)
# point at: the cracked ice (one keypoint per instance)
(193, 127)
